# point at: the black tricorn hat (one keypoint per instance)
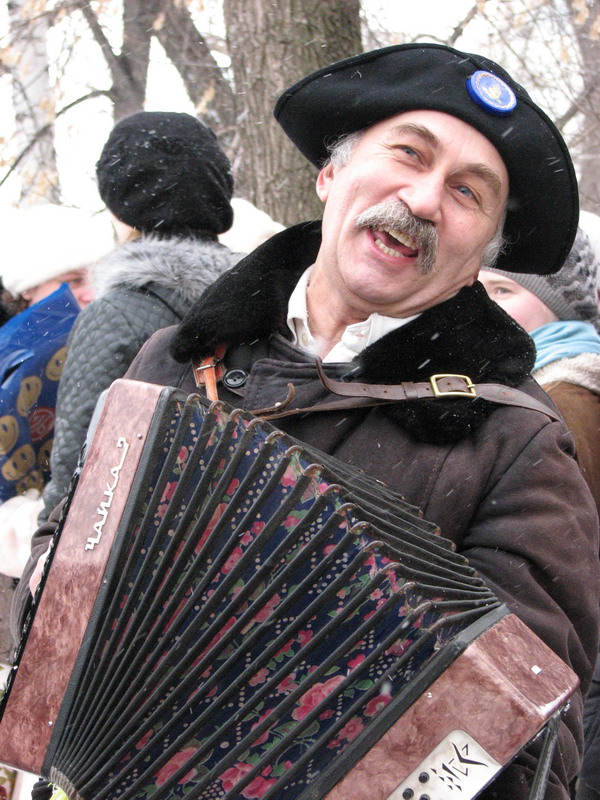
(543, 205)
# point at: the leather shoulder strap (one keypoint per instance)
(357, 395)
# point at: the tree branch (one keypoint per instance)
(460, 28)
(112, 60)
(41, 132)
(202, 77)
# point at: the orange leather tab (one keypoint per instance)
(209, 372)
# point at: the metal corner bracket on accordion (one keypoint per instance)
(228, 613)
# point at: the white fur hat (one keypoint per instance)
(251, 227)
(44, 241)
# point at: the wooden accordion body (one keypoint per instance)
(230, 614)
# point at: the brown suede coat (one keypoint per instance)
(500, 481)
(580, 409)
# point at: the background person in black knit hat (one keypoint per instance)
(163, 172)
(432, 163)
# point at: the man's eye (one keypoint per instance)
(405, 148)
(464, 190)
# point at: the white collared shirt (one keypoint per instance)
(355, 337)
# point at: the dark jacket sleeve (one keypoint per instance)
(533, 537)
(588, 787)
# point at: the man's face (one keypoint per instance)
(444, 173)
(523, 306)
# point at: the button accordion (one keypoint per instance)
(227, 613)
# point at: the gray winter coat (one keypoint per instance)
(140, 287)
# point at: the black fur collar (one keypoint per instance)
(250, 301)
(468, 334)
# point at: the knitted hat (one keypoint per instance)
(164, 172)
(571, 293)
(44, 241)
(355, 93)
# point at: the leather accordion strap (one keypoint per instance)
(357, 395)
(441, 386)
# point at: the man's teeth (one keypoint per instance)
(387, 249)
(402, 238)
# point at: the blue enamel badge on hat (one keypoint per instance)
(491, 93)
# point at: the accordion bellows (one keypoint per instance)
(230, 614)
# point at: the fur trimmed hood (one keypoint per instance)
(468, 334)
(185, 266)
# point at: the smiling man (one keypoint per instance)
(406, 221)
(431, 163)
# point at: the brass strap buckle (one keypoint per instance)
(469, 391)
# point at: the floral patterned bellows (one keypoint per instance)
(263, 615)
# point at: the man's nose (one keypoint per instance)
(423, 196)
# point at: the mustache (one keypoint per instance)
(396, 215)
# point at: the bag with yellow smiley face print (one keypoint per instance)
(32, 354)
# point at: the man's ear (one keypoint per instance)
(324, 182)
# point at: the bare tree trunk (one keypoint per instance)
(202, 77)
(171, 22)
(33, 104)
(129, 68)
(272, 45)
(586, 22)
